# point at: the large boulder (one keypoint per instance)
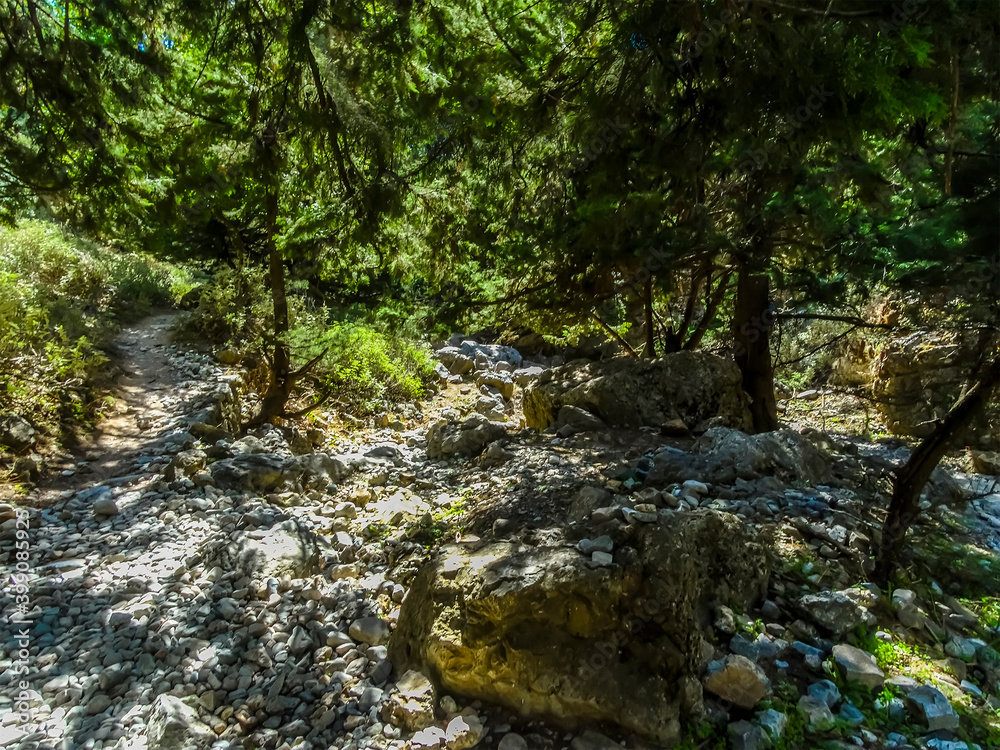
(541, 631)
(723, 455)
(690, 386)
(265, 472)
(445, 439)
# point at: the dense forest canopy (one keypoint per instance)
(670, 175)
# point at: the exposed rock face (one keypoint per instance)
(690, 386)
(538, 630)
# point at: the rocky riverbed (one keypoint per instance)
(206, 591)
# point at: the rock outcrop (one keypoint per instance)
(545, 632)
(692, 387)
(725, 455)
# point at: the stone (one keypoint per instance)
(836, 611)
(737, 680)
(174, 725)
(690, 386)
(586, 501)
(825, 691)
(104, 504)
(725, 621)
(428, 739)
(185, 464)
(961, 648)
(445, 439)
(456, 360)
(411, 704)
(502, 381)
(851, 714)
(858, 666)
(512, 741)
(540, 631)
(579, 419)
(904, 602)
(984, 462)
(745, 736)
(371, 630)
(773, 722)
(16, 432)
(600, 544)
(816, 713)
(463, 732)
(228, 357)
(932, 708)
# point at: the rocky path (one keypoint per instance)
(181, 588)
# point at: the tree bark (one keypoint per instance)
(280, 379)
(913, 475)
(751, 327)
(647, 294)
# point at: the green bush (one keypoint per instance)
(60, 298)
(363, 368)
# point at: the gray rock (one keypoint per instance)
(835, 611)
(851, 714)
(745, 736)
(284, 550)
(858, 666)
(412, 703)
(456, 360)
(579, 419)
(692, 386)
(371, 630)
(16, 432)
(502, 381)
(816, 713)
(825, 691)
(932, 708)
(737, 680)
(600, 544)
(773, 722)
(104, 504)
(185, 464)
(468, 439)
(174, 725)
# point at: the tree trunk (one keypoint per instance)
(911, 478)
(280, 379)
(751, 324)
(647, 294)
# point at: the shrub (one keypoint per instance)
(362, 367)
(60, 298)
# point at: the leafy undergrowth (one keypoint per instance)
(364, 366)
(61, 298)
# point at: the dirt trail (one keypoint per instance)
(146, 381)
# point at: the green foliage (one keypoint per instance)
(233, 309)
(60, 299)
(362, 367)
